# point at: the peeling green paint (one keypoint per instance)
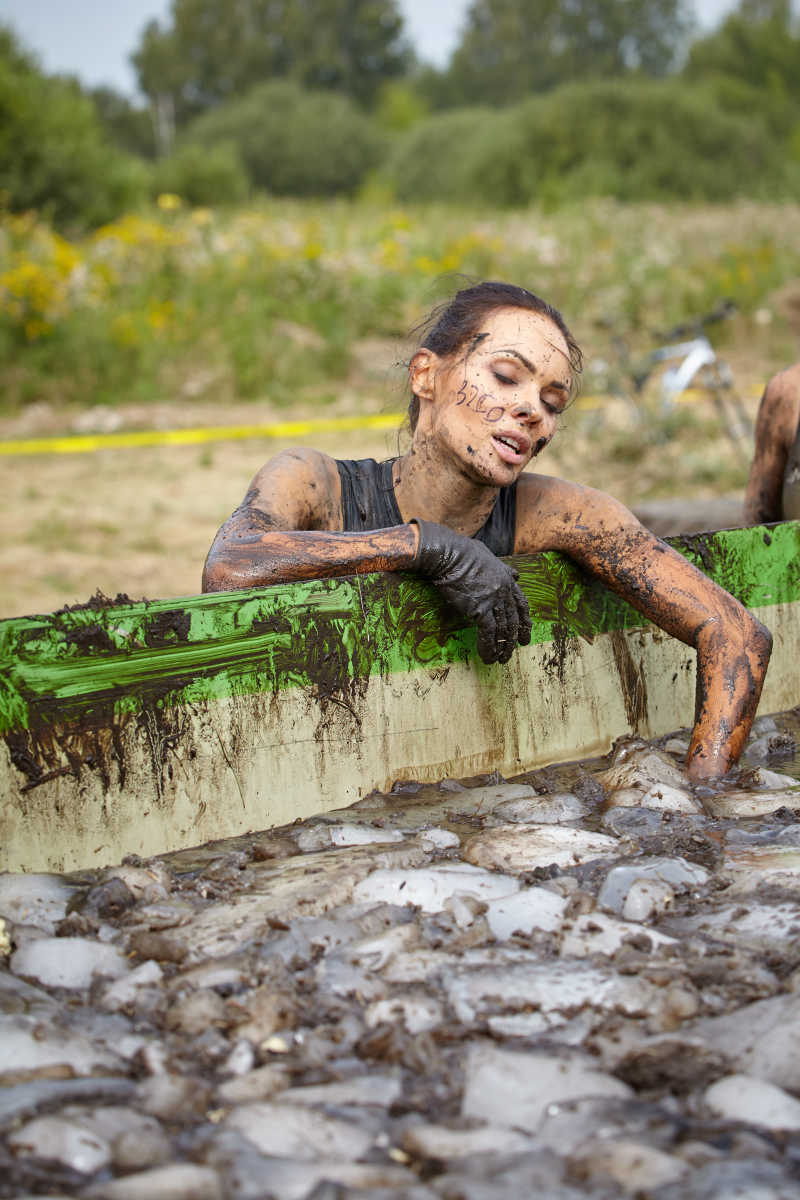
(105, 660)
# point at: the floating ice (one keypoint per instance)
(646, 898)
(516, 1089)
(676, 872)
(293, 1131)
(439, 839)
(29, 1046)
(597, 933)
(375, 1089)
(522, 848)
(636, 1167)
(68, 962)
(762, 1038)
(64, 1141)
(39, 900)
(321, 836)
(417, 1012)
(568, 986)
(744, 1098)
(533, 908)
(430, 887)
(544, 810)
(178, 1181)
(753, 804)
(122, 991)
(439, 1142)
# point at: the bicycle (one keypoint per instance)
(696, 367)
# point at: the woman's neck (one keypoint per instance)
(431, 487)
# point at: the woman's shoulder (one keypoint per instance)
(552, 512)
(300, 464)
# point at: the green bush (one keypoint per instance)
(435, 160)
(294, 142)
(635, 140)
(53, 155)
(212, 176)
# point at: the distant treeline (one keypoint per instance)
(541, 102)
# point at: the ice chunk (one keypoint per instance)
(377, 1089)
(122, 991)
(762, 1039)
(439, 1142)
(178, 1181)
(751, 866)
(66, 1141)
(596, 933)
(417, 1012)
(430, 887)
(68, 962)
(745, 1098)
(636, 1167)
(25, 1046)
(758, 926)
(676, 872)
(516, 1089)
(533, 908)
(544, 810)
(292, 1131)
(567, 986)
(439, 839)
(753, 804)
(640, 768)
(646, 898)
(39, 900)
(321, 836)
(521, 848)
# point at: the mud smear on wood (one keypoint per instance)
(634, 689)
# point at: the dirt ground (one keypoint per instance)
(139, 521)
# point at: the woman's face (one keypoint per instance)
(495, 403)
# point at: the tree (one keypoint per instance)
(292, 141)
(126, 124)
(215, 50)
(758, 44)
(511, 48)
(53, 153)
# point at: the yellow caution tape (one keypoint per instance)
(83, 443)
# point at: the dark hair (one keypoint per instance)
(456, 322)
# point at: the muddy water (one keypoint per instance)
(581, 982)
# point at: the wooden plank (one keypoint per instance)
(140, 728)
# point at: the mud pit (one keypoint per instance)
(583, 982)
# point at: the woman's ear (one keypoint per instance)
(422, 373)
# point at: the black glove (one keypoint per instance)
(478, 585)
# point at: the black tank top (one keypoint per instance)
(368, 503)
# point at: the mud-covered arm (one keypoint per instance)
(288, 527)
(776, 425)
(732, 647)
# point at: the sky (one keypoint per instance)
(94, 39)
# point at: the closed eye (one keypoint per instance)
(501, 378)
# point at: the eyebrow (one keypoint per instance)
(533, 370)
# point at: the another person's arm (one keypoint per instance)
(732, 647)
(776, 426)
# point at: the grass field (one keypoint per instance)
(183, 318)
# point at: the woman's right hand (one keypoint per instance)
(478, 585)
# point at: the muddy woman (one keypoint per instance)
(491, 377)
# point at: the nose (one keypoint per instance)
(528, 408)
